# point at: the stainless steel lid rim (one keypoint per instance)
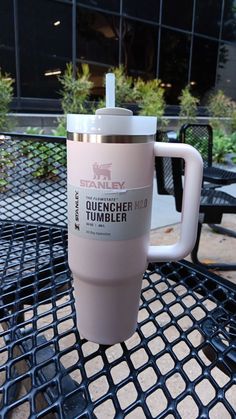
(110, 139)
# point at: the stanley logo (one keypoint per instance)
(102, 175)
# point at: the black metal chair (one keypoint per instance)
(213, 205)
(200, 136)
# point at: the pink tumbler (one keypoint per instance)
(110, 183)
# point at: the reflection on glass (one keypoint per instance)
(174, 63)
(97, 37)
(207, 17)
(139, 48)
(98, 78)
(177, 13)
(226, 74)
(141, 10)
(7, 53)
(44, 47)
(203, 70)
(229, 21)
(113, 5)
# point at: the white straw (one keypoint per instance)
(110, 90)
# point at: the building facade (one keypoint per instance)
(179, 41)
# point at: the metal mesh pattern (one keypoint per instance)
(200, 137)
(210, 197)
(220, 176)
(180, 363)
(33, 179)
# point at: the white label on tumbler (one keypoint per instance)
(109, 214)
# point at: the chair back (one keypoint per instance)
(33, 179)
(168, 175)
(199, 136)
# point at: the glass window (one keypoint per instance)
(177, 13)
(226, 74)
(97, 37)
(7, 49)
(142, 10)
(203, 70)
(229, 21)
(98, 78)
(208, 17)
(45, 45)
(174, 63)
(139, 48)
(113, 5)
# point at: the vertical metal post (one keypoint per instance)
(120, 32)
(74, 37)
(191, 43)
(219, 40)
(17, 58)
(159, 41)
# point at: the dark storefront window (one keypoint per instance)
(111, 5)
(45, 46)
(178, 13)
(174, 63)
(139, 48)
(229, 21)
(97, 77)
(226, 74)
(7, 50)
(203, 70)
(208, 17)
(140, 10)
(97, 37)
(110, 32)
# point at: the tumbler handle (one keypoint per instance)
(190, 204)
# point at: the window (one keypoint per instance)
(97, 37)
(112, 5)
(208, 17)
(229, 21)
(139, 48)
(203, 71)
(174, 63)
(7, 50)
(97, 77)
(178, 13)
(45, 45)
(226, 75)
(142, 10)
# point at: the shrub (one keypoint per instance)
(44, 158)
(34, 131)
(60, 130)
(6, 162)
(124, 86)
(222, 145)
(233, 121)
(150, 97)
(75, 90)
(123, 89)
(221, 106)
(6, 95)
(188, 106)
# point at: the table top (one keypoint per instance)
(219, 176)
(180, 363)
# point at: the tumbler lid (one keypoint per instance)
(111, 120)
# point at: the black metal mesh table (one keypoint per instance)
(181, 361)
